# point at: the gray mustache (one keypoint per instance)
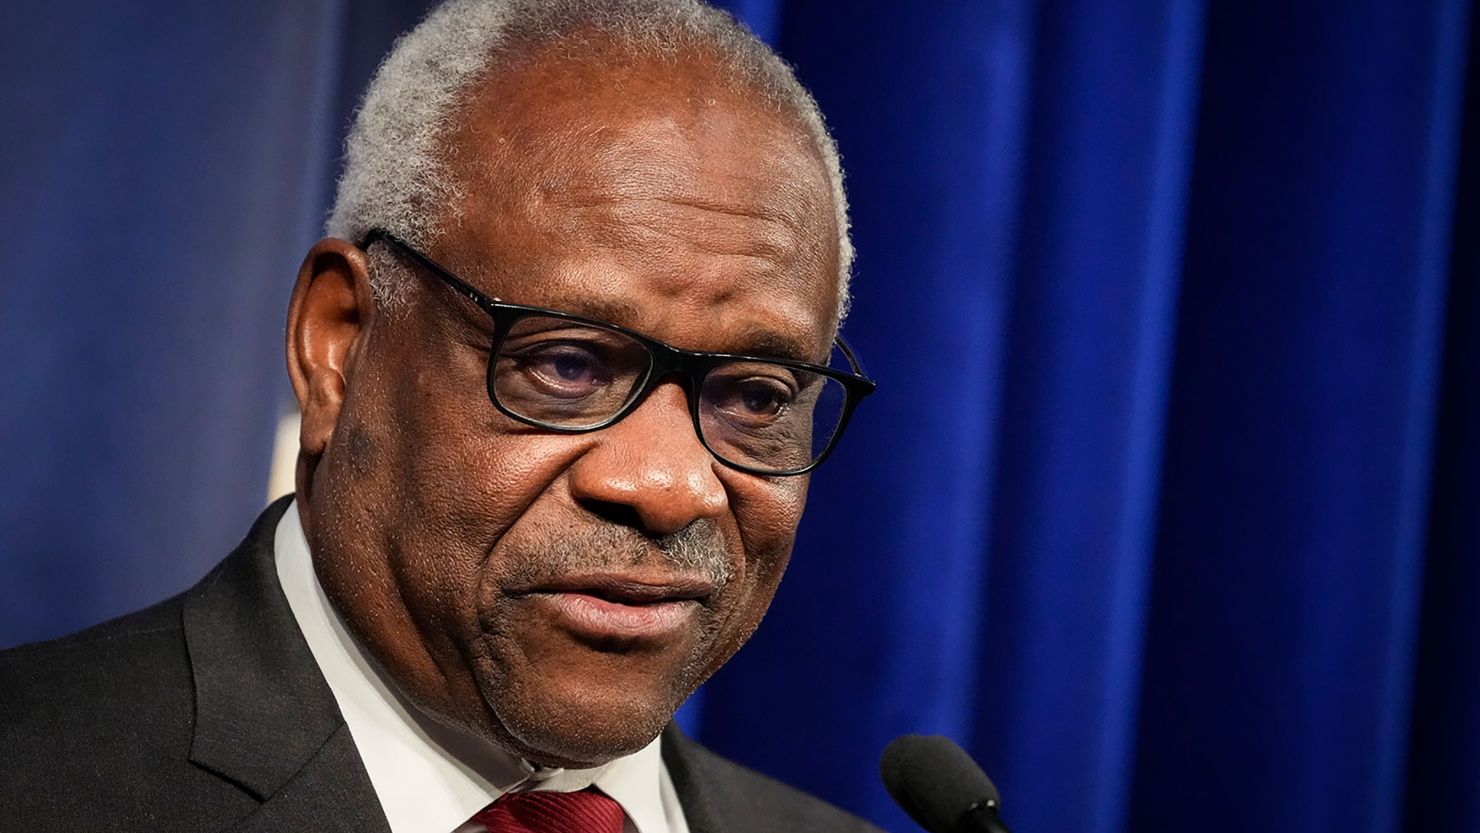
(696, 550)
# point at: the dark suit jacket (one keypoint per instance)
(207, 712)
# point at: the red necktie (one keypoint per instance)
(587, 811)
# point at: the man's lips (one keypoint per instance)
(605, 607)
(628, 589)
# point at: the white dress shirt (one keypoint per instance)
(430, 779)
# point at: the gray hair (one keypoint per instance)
(395, 172)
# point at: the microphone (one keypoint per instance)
(940, 786)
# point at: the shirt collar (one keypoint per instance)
(429, 777)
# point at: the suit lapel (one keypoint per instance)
(330, 793)
(265, 719)
(702, 809)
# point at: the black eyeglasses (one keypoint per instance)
(570, 374)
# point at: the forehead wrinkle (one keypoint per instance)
(664, 228)
(628, 203)
(644, 211)
(621, 177)
(637, 217)
(624, 170)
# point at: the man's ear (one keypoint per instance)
(328, 319)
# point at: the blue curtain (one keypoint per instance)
(1168, 504)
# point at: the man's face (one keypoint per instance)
(562, 594)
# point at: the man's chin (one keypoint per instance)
(580, 726)
(558, 702)
(571, 683)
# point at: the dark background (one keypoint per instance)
(1167, 506)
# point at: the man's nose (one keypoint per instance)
(650, 469)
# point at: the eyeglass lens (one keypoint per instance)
(756, 414)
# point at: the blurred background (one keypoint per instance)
(1163, 506)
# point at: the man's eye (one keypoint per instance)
(756, 400)
(570, 368)
(566, 368)
(764, 398)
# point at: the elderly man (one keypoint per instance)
(564, 366)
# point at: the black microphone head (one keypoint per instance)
(934, 780)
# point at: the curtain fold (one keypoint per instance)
(160, 179)
(1167, 504)
(1298, 447)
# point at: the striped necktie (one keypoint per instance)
(586, 811)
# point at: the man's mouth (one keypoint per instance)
(625, 608)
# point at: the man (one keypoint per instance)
(560, 370)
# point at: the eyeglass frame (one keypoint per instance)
(691, 366)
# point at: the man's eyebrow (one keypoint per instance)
(610, 310)
(773, 345)
(754, 342)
